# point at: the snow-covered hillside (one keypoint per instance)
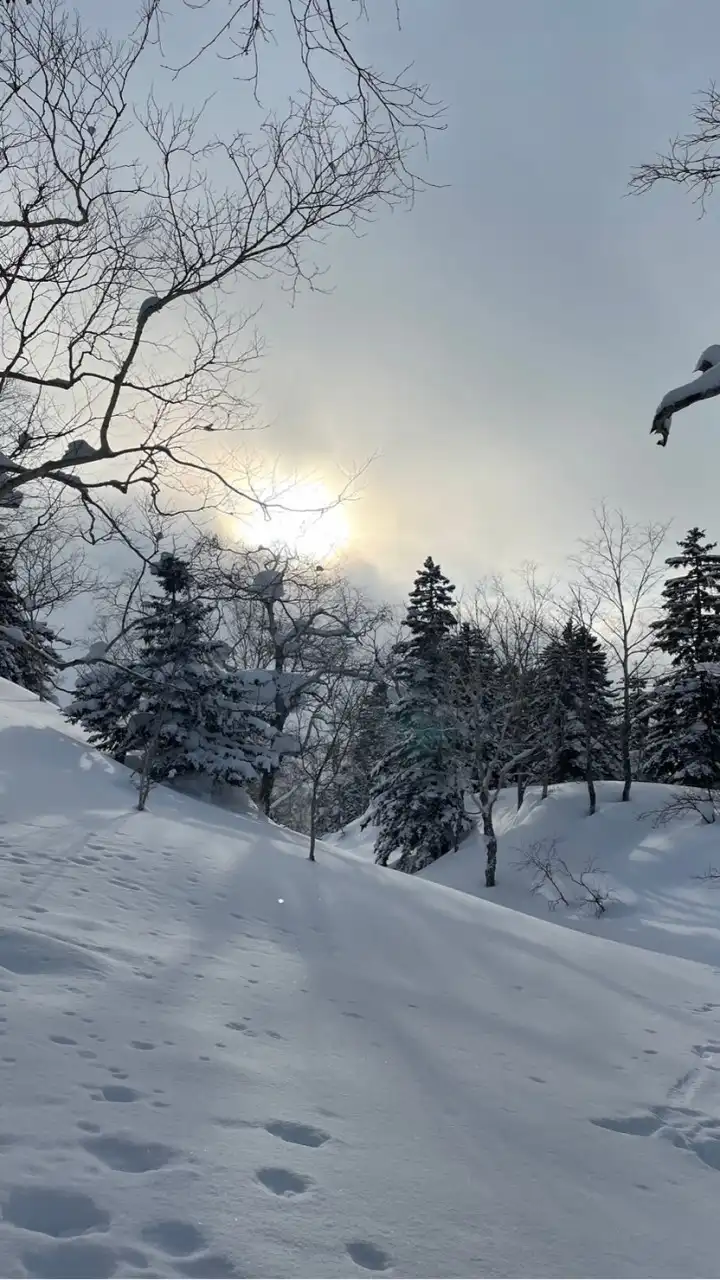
(219, 1059)
(651, 871)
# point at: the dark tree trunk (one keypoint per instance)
(591, 792)
(589, 769)
(490, 839)
(545, 789)
(267, 783)
(521, 785)
(625, 738)
(313, 823)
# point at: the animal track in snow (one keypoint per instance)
(690, 1130)
(62, 1040)
(119, 1093)
(27, 953)
(303, 1135)
(129, 1156)
(283, 1182)
(367, 1255)
(177, 1238)
(52, 1211)
(81, 1259)
(710, 1054)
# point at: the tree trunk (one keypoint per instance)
(625, 730)
(545, 789)
(589, 770)
(265, 791)
(313, 823)
(591, 792)
(486, 809)
(521, 785)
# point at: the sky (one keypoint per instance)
(499, 350)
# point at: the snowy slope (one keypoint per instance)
(220, 1059)
(652, 872)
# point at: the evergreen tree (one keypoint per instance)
(640, 696)
(684, 737)
(176, 705)
(13, 623)
(417, 795)
(579, 709)
(28, 654)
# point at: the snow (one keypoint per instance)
(650, 870)
(701, 388)
(708, 358)
(15, 634)
(221, 1059)
(79, 451)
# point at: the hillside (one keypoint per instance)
(650, 871)
(218, 1059)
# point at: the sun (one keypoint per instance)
(306, 519)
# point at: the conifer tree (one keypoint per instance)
(176, 705)
(28, 653)
(640, 700)
(13, 623)
(684, 737)
(417, 794)
(579, 709)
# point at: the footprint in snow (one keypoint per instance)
(175, 1237)
(129, 1156)
(82, 1259)
(283, 1182)
(119, 1093)
(54, 1211)
(302, 1135)
(367, 1255)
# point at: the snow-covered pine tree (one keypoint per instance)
(28, 654)
(13, 623)
(176, 705)
(417, 799)
(579, 710)
(683, 743)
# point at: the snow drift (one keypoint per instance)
(219, 1059)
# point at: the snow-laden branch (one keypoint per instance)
(704, 387)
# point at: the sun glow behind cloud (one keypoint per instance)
(306, 519)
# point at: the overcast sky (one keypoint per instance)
(503, 346)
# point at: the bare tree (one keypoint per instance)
(48, 555)
(498, 701)
(703, 802)
(324, 742)
(692, 160)
(570, 888)
(119, 276)
(618, 574)
(305, 624)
